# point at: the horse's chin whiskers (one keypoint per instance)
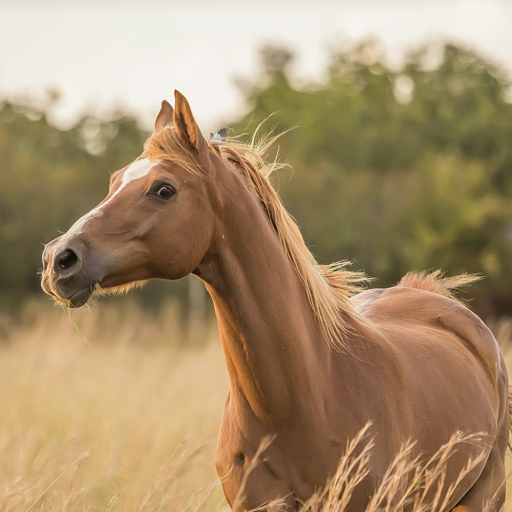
(60, 302)
(119, 289)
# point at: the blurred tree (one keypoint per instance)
(399, 169)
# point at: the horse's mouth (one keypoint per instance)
(80, 297)
(76, 300)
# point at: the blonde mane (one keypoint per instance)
(328, 287)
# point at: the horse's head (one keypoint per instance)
(156, 221)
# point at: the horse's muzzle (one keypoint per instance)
(64, 276)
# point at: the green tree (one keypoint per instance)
(400, 169)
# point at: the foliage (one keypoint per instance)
(398, 169)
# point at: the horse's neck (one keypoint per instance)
(272, 345)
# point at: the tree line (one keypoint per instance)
(395, 167)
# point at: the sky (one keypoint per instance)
(132, 54)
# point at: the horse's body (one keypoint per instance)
(424, 378)
(417, 364)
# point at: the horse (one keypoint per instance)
(312, 354)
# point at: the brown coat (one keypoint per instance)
(308, 365)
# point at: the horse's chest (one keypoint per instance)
(256, 465)
(250, 463)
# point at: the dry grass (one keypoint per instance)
(408, 483)
(102, 427)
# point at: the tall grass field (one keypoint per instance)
(127, 422)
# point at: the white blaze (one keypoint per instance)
(137, 170)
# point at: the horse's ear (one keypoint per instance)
(186, 124)
(165, 116)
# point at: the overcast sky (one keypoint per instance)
(103, 54)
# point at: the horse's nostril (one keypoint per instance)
(67, 259)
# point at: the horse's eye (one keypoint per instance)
(165, 192)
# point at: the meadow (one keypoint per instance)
(127, 421)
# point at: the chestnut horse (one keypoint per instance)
(311, 358)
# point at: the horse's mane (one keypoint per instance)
(436, 283)
(328, 287)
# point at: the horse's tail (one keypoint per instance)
(435, 282)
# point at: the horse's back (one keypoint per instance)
(450, 366)
(429, 317)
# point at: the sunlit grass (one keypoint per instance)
(102, 427)
(129, 423)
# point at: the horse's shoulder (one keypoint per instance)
(409, 308)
